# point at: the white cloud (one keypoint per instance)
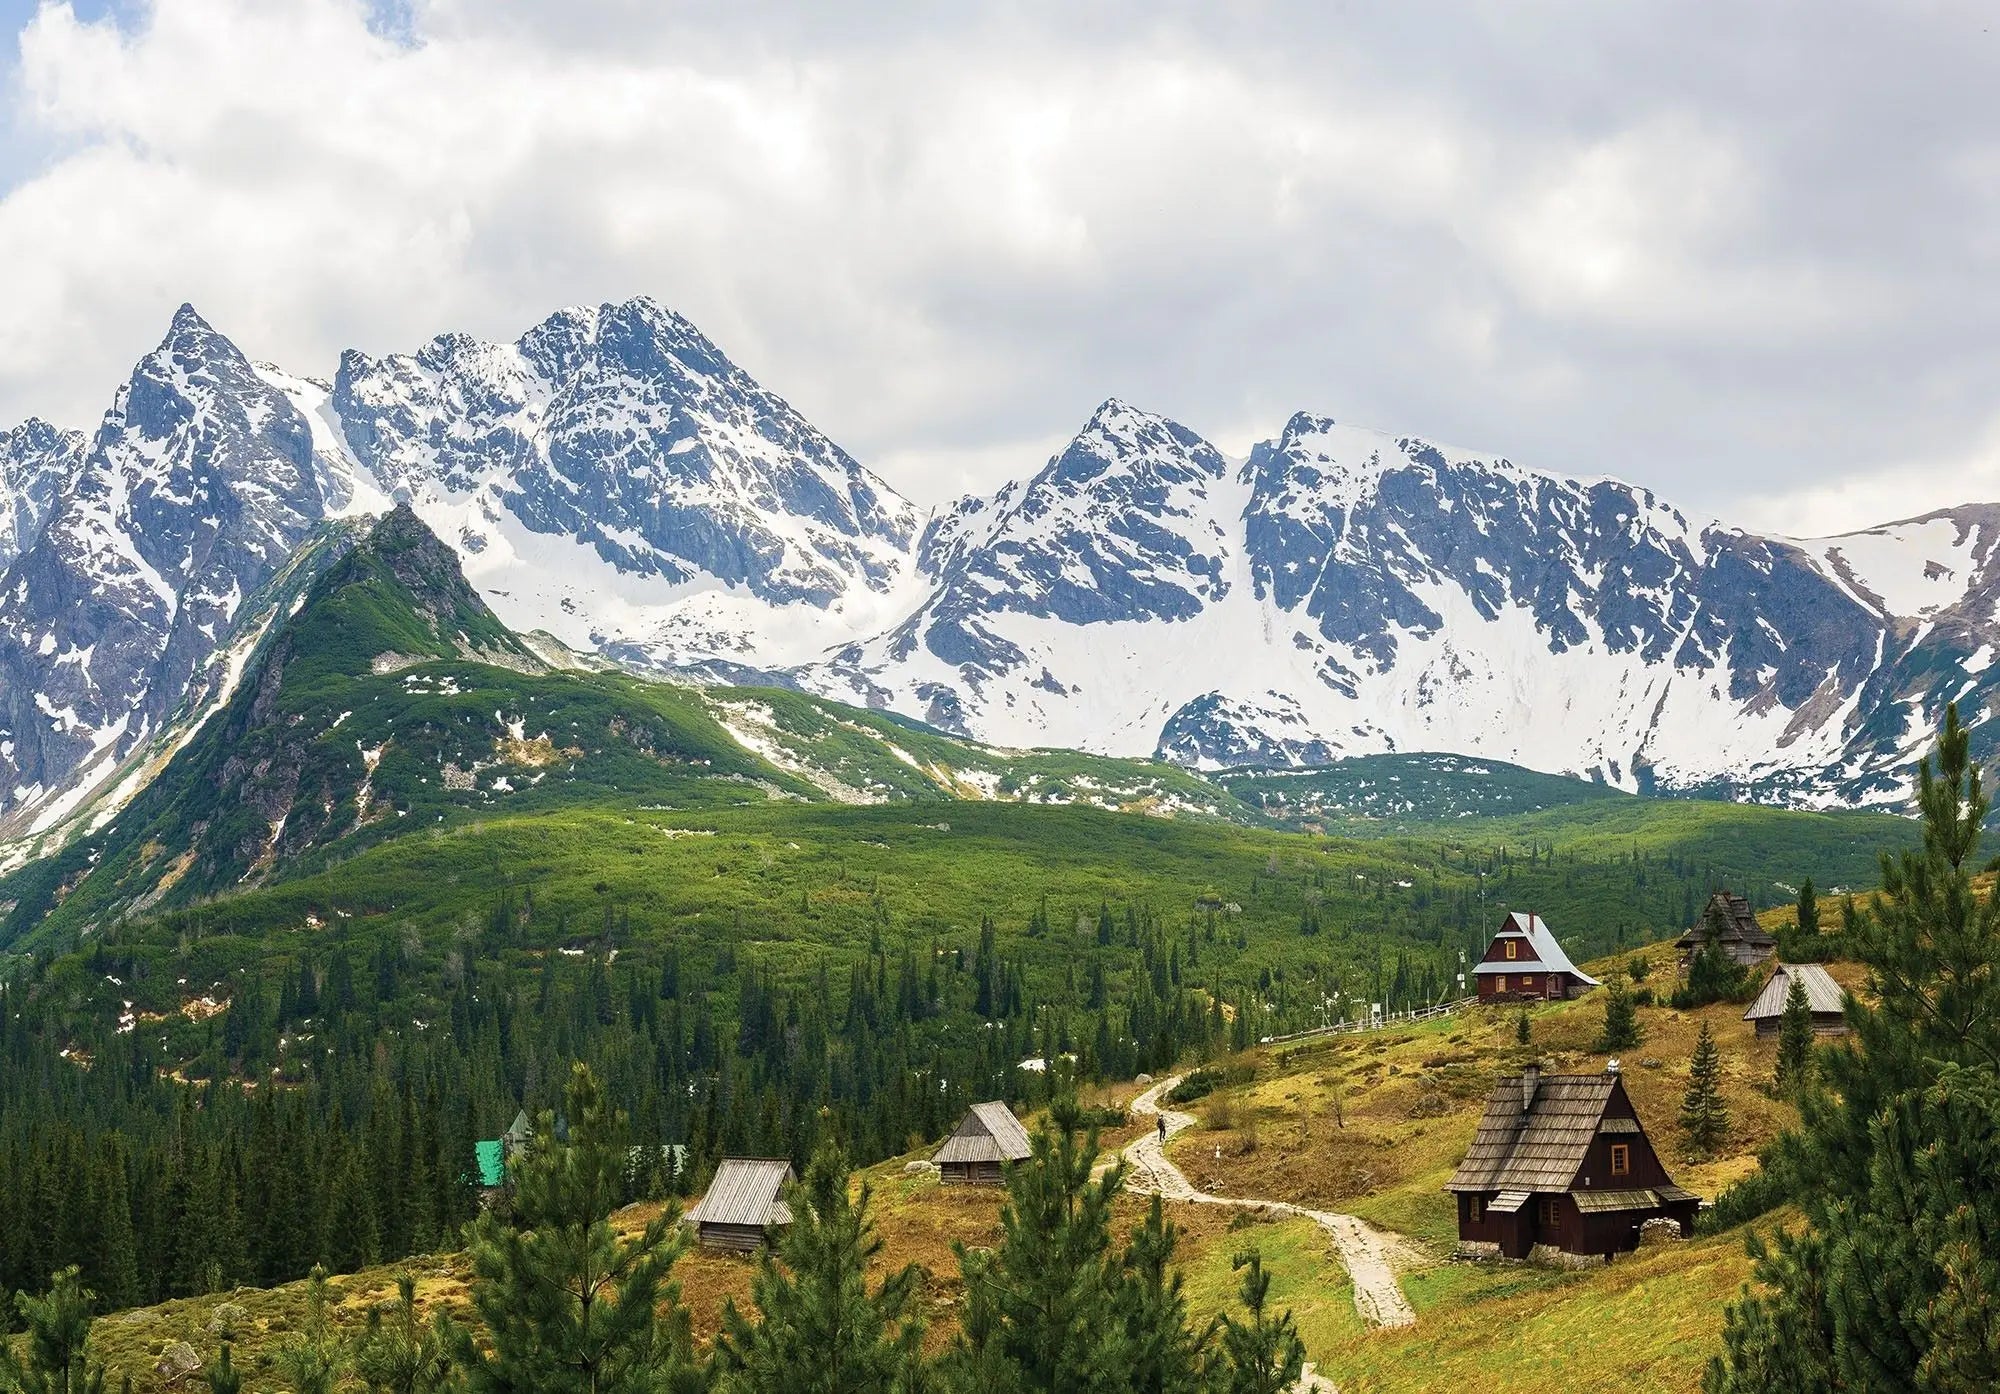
(1597, 240)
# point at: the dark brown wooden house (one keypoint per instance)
(1525, 963)
(1823, 999)
(1560, 1162)
(743, 1204)
(988, 1137)
(1729, 921)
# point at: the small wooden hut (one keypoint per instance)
(743, 1204)
(1560, 1163)
(988, 1137)
(1822, 1000)
(1731, 924)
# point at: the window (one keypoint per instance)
(1548, 1212)
(1621, 1159)
(1513, 949)
(1476, 1210)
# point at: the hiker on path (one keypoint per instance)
(1161, 1123)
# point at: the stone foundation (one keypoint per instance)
(1552, 1257)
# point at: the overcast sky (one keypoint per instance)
(1748, 255)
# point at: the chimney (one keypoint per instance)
(1531, 1078)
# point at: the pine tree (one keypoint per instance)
(820, 1329)
(222, 1376)
(1523, 1031)
(1034, 1308)
(310, 1362)
(1704, 1113)
(1893, 1283)
(1795, 1039)
(567, 1302)
(398, 1353)
(1264, 1355)
(58, 1333)
(1165, 1356)
(1621, 1018)
(1807, 915)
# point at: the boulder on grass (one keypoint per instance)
(1659, 1230)
(177, 1362)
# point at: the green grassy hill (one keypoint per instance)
(393, 700)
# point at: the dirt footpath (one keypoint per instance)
(1377, 1297)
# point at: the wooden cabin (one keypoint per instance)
(744, 1204)
(1525, 963)
(988, 1137)
(1823, 998)
(1560, 1164)
(1729, 921)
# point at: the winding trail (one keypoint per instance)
(1377, 1297)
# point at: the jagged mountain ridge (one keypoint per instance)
(37, 461)
(613, 479)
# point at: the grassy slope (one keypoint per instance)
(1651, 1319)
(1647, 1322)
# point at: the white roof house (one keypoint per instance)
(1538, 952)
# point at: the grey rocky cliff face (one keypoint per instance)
(625, 427)
(198, 486)
(37, 462)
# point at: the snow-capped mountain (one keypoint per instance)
(36, 461)
(613, 479)
(198, 487)
(1347, 592)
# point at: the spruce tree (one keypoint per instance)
(566, 1301)
(820, 1329)
(400, 1354)
(1704, 1113)
(1795, 1039)
(1524, 1032)
(1893, 1283)
(58, 1326)
(1265, 1355)
(116, 1262)
(1621, 1018)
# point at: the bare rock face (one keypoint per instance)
(198, 486)
(1339, 592)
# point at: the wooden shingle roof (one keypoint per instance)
(988, 1133)
(1739, 923)
(1542, 1147)
(1822, 992)
(745, 1191)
